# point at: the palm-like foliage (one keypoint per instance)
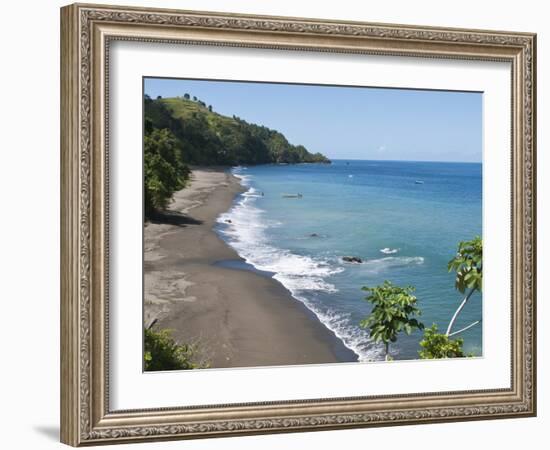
(468, 265)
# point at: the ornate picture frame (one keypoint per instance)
(87, 31)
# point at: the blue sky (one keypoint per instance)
(349, 122)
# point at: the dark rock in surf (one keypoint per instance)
(352, 259)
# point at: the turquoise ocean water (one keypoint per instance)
(404, 219)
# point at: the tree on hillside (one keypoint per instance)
(164, 171)
(148, 125)
(393, 312)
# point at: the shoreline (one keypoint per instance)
(235, 317)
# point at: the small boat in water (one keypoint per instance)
(292, 195)
(418, 182)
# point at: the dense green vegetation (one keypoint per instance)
(163, 168)
(185, 131)
(209, 138)
(163, 353)
(394, 306)
(437, 345)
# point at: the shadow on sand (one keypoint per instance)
(173, 218)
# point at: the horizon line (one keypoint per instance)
(405, 160)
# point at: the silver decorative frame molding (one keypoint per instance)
(86, 32)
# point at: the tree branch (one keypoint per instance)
(465, 328)
(457, 312)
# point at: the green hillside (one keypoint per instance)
(185, 131)
(209, 138)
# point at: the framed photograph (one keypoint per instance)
(276, 224)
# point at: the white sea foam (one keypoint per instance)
(389, 251)
(390, 262)
(245, 226)
(246, 234)
(341, 324)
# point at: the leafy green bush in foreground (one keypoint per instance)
(163, 353)
(438, 345)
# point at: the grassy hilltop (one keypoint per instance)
(184, 131)
(209, 138)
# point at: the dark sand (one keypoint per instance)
(236, 318)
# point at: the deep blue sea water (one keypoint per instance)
(404, 219)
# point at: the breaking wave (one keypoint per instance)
(245, 228)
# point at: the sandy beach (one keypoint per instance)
(236, 318)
